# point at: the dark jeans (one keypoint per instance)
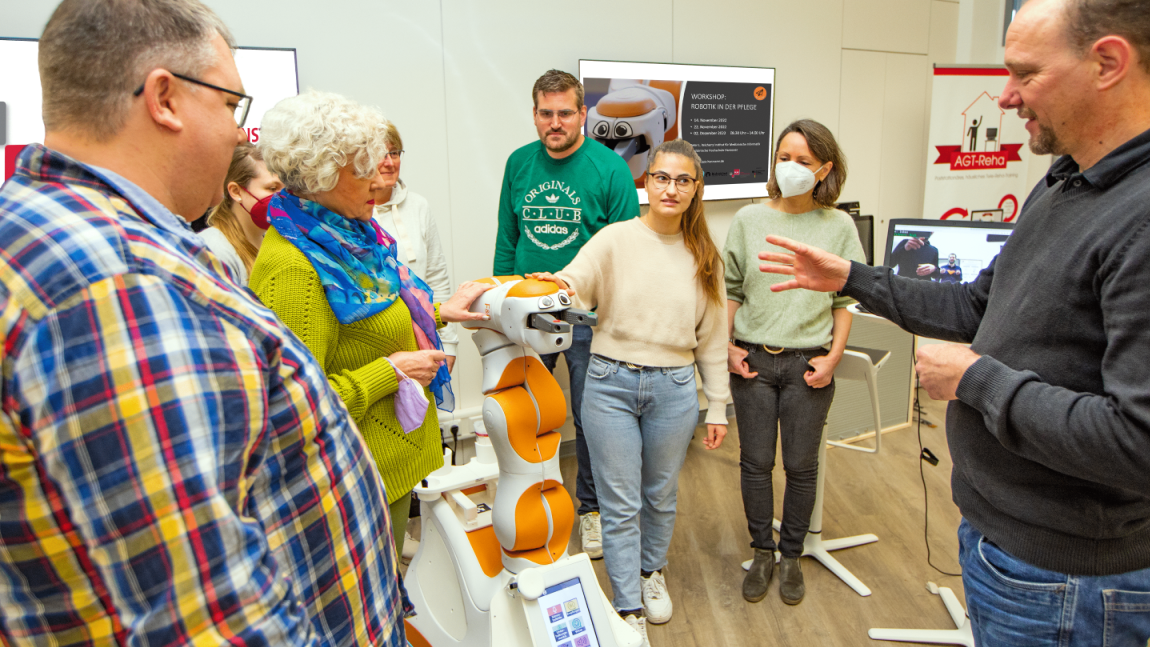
(779, 395)
(578, 356)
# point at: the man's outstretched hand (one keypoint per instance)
(811, 267)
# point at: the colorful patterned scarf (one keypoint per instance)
(356, 263)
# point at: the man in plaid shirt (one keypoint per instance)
(174, 468)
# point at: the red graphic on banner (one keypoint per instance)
(966, 71)
(960, 161)
(977, 161)
(1012, 213)
(946, 153)
(980, 148)
(11, 152)
(957, 211)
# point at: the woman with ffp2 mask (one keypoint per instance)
(784, 347)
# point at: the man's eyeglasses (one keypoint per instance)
(240, 110)
(661, 180)
(393, 155)
(564, 115)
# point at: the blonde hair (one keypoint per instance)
(696, 235)
(242, 171)
(394, 141)
(308, 138)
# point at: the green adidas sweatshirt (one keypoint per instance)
(548, 208)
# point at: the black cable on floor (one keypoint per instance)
(925, 499)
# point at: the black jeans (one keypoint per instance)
(779, 398)
(578, 356)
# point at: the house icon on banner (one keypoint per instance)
(982, 125)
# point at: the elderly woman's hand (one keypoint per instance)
(419, 365)
(456, 308)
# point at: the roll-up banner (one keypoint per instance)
(977, 155)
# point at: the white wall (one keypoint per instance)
(456, 78)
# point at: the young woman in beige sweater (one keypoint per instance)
(657, 283)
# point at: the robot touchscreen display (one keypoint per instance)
(565, 614)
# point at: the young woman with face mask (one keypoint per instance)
(657, 283)
(784, 347)
(236, 226)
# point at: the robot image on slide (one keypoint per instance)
(492, 567)
(634, 117)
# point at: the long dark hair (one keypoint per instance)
(696, 235)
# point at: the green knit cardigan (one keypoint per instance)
(354, 358)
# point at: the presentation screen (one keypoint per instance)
(269, 75)
(944, 251)
(726, 113)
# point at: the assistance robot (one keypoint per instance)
(492, 567)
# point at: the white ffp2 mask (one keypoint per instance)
(793, 179)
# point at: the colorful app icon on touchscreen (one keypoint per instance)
(572, 606)
(555, 613)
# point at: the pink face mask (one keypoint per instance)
(410, 402)
(259, 210)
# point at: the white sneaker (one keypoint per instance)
(656, 600)
(640, 625)
(591, 535)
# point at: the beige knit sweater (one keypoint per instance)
(652, 311)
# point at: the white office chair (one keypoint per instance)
(863, 364)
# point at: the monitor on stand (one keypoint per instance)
(923, 249)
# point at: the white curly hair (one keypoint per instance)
(308, 138)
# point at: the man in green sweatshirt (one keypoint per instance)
(557, 192)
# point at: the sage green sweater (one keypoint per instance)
(795, 318)
(354, 358)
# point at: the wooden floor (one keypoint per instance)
(866, 493)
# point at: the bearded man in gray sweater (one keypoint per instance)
(1049, 419)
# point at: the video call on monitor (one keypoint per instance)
(943, 251)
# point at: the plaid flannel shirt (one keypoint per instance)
(174, 468)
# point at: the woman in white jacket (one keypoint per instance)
(406, 216)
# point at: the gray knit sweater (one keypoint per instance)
(1050, 434)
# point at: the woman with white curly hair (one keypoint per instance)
(331, 274)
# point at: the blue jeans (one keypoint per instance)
(639, 424)
(577, 357)
(1014, 604)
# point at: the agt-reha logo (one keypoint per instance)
(979, 148)
(543, 223)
